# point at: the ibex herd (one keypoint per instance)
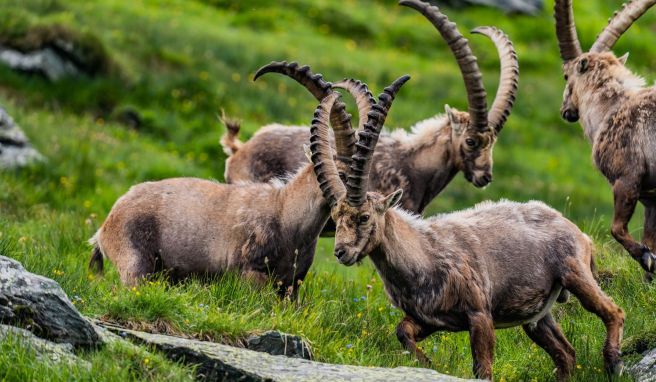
(496, 265)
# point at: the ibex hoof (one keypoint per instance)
(648, 260)
(649, 277)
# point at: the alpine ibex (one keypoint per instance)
(496, 265)
(422, 162)
(618, 114)
(187, 226)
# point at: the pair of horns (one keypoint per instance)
(568, 41)
(481, 120)
(360, 165)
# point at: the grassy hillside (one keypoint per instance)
(177, 62)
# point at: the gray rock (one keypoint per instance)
(278, 343)
(218, 362)
(39, 305)
(645, 370)
(45, 350)
(531, 7)
(45, 61)
(15, 148)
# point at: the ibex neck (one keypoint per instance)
(401, 256)
(430, 154)
(598, 105)
(303, 207)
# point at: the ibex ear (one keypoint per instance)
(308, 152)
(624, 58)
(583, 65)
(391, 200)
(453, 120)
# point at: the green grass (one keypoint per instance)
(178, 62)
(117, 362)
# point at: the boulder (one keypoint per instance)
(645, 370)
(38, 304)
(45, 350)
(15, 149)
(530, 7)
(278, 343)
(46, 62)
(218, 362)
(55, 51)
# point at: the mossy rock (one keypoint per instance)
(84, 49)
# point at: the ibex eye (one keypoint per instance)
(470, 142)
(566, 77)
(364, 218)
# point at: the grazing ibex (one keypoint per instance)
(496, 265)
(187, 226)
(422, 162)
(618, 114)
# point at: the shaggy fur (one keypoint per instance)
(422, 162)
(188, 226)
(497, 265)
(618, 115)
(619, 119)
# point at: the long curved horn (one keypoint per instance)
(568, 40)
(508, 79)
(471, 74)
(357, 182)
(363, 97)
(619, 23)
(315, 84)
(322, 154)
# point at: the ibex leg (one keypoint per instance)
(546, 334)
(409, 333)
(626, 197)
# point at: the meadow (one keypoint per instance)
(178, 62)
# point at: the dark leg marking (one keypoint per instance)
(546, 333)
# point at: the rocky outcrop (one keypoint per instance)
(278, 343)
(216, 362)
(44, 61)
(531, 7)
(45, 350)
(645, 370)
(38, 304)
(15, 149)
(54, 51)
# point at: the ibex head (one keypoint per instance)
(586, 71)
(358, 214)
(475, 132)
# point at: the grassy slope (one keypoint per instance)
(179, 61)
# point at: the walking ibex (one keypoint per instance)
(496, 265)
(618, 114)
(422, 162)
(188, 226)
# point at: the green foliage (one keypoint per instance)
(116, 362)
(181, 61)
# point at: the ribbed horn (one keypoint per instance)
(358, 178)
(459, 45)
(508, 79)
(322, 154)
(315, 84)
(568, 41)
(364, 100)
(301, 74)
(619, 23)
